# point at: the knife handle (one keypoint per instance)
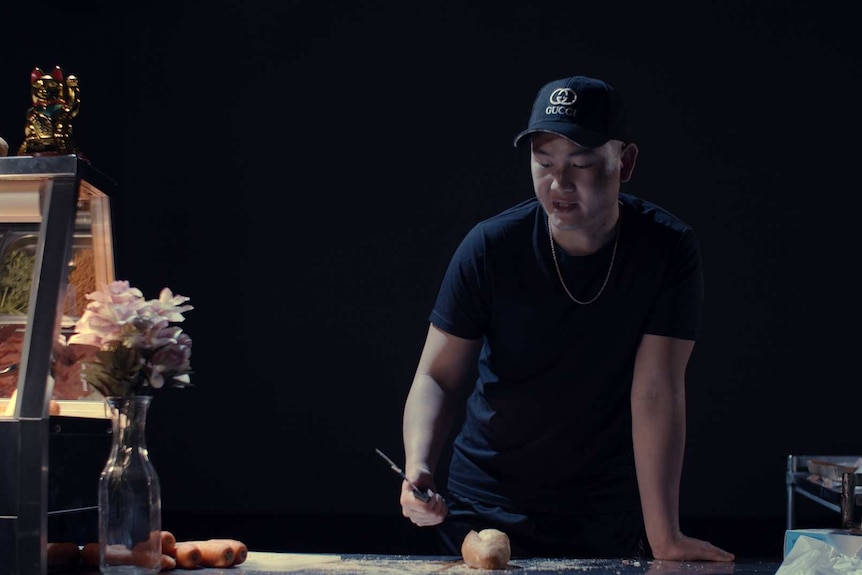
(420, 494)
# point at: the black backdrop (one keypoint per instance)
(304, 170)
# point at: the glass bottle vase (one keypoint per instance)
(130, 504)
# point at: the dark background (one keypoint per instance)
(303, 171)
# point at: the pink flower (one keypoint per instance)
(167, 307)
(173, 358)
(138, 346)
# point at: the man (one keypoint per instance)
(581, 306)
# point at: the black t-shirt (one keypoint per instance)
(548, 425)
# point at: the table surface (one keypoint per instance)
(264, 563)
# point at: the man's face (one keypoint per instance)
(578, 187)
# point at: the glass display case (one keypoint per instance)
(55, 247)
(832, 481)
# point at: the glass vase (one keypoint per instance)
(130, 503)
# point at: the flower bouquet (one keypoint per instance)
(135, 346)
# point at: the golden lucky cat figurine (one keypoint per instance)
(56, 101)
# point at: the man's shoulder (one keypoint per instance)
(522, 212)
(654, 215)
(506, 229)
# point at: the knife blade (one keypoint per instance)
(419, 494)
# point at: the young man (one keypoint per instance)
(581, 306)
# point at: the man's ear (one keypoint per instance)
(628, 158)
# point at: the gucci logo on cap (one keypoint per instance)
(563, 97)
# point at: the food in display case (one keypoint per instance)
(832, 471)
(17, 259)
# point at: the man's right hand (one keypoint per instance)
(423, 514)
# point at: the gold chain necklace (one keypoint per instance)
(610, 268)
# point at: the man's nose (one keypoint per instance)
(563, 181)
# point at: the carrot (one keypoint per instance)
(90, 554)
(215, 553)
(240, 549)
(168, 563)
(187, 554)
(149, 558)
(65, 554)
(118, 554)
(147, 553)
(168, 542)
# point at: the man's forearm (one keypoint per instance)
(658, 428)
(428, 417)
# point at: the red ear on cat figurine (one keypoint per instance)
(35, 75)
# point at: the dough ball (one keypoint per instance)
(486, 549)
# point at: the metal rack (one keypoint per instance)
(843, 496)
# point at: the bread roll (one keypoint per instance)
(487, 549)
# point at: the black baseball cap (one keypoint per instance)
(585, 110)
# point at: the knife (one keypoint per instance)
(419, 494)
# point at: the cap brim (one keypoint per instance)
(575, 134)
